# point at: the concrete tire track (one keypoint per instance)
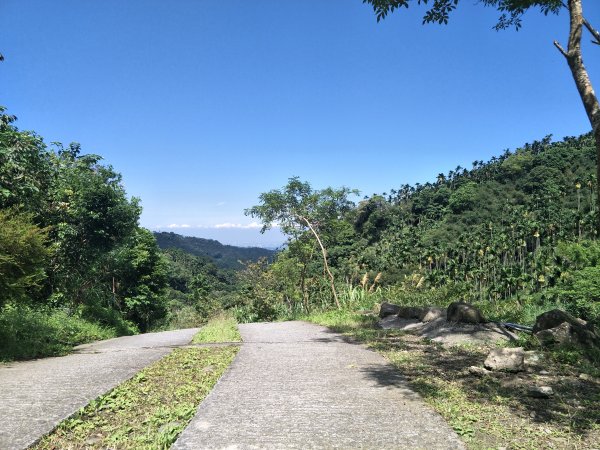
(35, 396)
(295, 385)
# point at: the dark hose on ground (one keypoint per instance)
(517, 327)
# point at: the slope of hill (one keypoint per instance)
(520, 228)
(522, 224)
(225, 256)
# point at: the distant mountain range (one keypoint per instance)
(225, 256)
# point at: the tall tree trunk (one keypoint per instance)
(303, 287)
(324, 253)
(597, 138)
(582, 80)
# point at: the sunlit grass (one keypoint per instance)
(221, 328)
(27, 333)
(148, 411)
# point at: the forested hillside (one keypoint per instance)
(224, 256)
(74, 263)
(515, 234)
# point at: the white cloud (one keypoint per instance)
(218, 226)
(237, 225)
(175, 225)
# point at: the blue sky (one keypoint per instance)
(202, 105)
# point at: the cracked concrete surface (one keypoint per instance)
(35, 396)
(294, 385)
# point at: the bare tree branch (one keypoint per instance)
(560, 49)
(592, 31)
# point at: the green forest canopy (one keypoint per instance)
(518, 229)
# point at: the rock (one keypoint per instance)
(479, 371)
(557, 327)
(552, 319)
(449, 333)
(560, 335)
(431, 313)
(464, 312)
(585, 377)
(395, 323)
(507, 359)
(540, 391)
(388, 309)
(409, 312)
(533, 360)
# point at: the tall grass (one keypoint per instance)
(357, 297)
(220, 328)
(522, 310)
(27, 333)
(184, 317)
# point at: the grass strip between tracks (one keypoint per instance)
(221, 328)
(150, 410)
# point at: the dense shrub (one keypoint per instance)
(23, 257)
(27, 332)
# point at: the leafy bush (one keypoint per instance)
(27, 332)
(463, 198)
(579, 285)
(581, 293)
(408, 295)
(109, 318)
(184, 317)
(22, 257)
(258, 297)
(140, 272)
(523, 311)
(578, 254)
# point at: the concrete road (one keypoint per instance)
(294, 385)
(37, 395)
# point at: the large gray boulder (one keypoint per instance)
(424, 314)
(559, 335)
(388, 309)
(558, 327)
(553, 318)
(431, 313)
(506, 359)
(464, 312)
(409, 312)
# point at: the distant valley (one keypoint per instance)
(224, 256)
